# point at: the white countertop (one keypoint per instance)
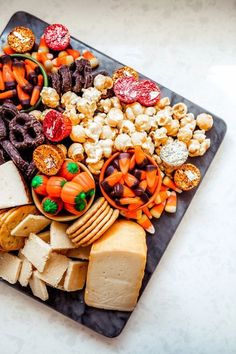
(189, 304)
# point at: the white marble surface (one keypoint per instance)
(189, 305)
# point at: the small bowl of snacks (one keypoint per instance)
(130, 180)
(22, 81)
(65, 196)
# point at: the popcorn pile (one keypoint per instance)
(102, 126)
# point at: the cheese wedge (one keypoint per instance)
(80, 253)
(37, 251)
(116, 267)
(59, 240)
(55, 269)
(30, 224)
(13, 190)
(38, 287)
(10, 267)
(26, 270)
(75, 276)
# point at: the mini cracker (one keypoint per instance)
(78, 223)
(8, 242)
(103, 229)
(97, 228)
(48, 159)
(78, 236)
(187, 177)
(91, 220)
(31, 224)
(21, 39)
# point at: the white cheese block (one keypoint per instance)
(116, 267)
(55, 269)
(37, 251)
(80, 253)
(26, 270)
(38, 287)
(45, 236)
(10, 267)
(13, 190)
(59, 240)
(75, 276)
(31, 224)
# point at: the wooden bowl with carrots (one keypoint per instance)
(21, 80)
(65, 196)
(130, 180)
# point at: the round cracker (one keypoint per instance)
(103, 229)
(78, 223)
(90, 221)
(79, 236)
(96, 229)
(8, 242)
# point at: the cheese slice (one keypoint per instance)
(37, 251)
(75, 276)
(26, 270)
(55, 269)
(45, 236)
(59, 240)
(10, 267)
(116, 267)
(80, 253)
(38, 287)
(13, 190)
(31, 224)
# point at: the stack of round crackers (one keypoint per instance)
(92, 225)
(9, 219)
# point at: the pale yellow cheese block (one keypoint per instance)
(75, 276)
(59, 240)
(26, 270)
(10, 267)
(116, 267)
(55, 269)
(31, 224)
(37, 252)
(79, 253)
(38, 287)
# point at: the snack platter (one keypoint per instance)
(104, 194)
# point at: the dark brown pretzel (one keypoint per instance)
(25, 132)
(8, 111)
(66, 78)
(14, 155)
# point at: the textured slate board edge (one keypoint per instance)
(111, 323)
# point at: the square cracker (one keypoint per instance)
(31, 224)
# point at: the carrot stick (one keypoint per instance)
(2, 85)
(8, 76)
(36, 91)
(31, 74)
(24, 98)
(7, 94)
(19, 73)
(32, 64)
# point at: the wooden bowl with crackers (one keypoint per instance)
(64, 215)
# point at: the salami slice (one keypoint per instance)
(126, 89)
(57, 37)
(148, 93)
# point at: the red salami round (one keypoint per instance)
(148, 93)
(56, 126)
(126, 89)
(57, 37)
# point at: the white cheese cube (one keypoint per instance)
(55, 269)
(31, 224)
(10, 267)
(37, 252)
(59, 240)
(26, 270)
(116, 267)
(13, 190)
(38, 287)
(80, 253)
(75, 276)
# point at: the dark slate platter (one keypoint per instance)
(111, 323)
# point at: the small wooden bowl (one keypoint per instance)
(63, 216)
(106, 196)
(43, 72)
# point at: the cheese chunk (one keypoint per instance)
(45, 236)
(38, 287)
(37, 252)
(13, 190)
(31, 224)
(116, 267)
(80, 253)
(26, 270)
(59, 240)
(55, 269)
(10, 267)
(75, 276)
